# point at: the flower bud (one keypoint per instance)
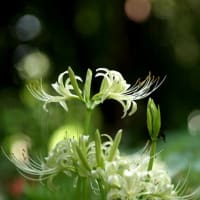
(153, 119)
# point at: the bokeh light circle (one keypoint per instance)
(34, 65)
(27, 27)
(137, 10)
(194, 122)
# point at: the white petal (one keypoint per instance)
(133, 108)
(56, 87)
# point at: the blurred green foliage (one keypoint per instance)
(181, 155)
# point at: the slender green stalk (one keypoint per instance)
(82, 189)
(88, 121)
(78, 193)
(102, 190)
(152, 154)
(85, 188)
(153, 126)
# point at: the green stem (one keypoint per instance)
(85, 187)
(82, 189)
(78, 193)
(152, 154)
(88, 120)
(102, 190)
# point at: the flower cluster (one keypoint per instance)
(113, 86)
(121, 177)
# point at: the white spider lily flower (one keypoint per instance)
(114, 86)
(63, 88)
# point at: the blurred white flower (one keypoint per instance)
(122, 177)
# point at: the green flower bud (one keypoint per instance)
(87, 86)
(153, 119)
(74, 82)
